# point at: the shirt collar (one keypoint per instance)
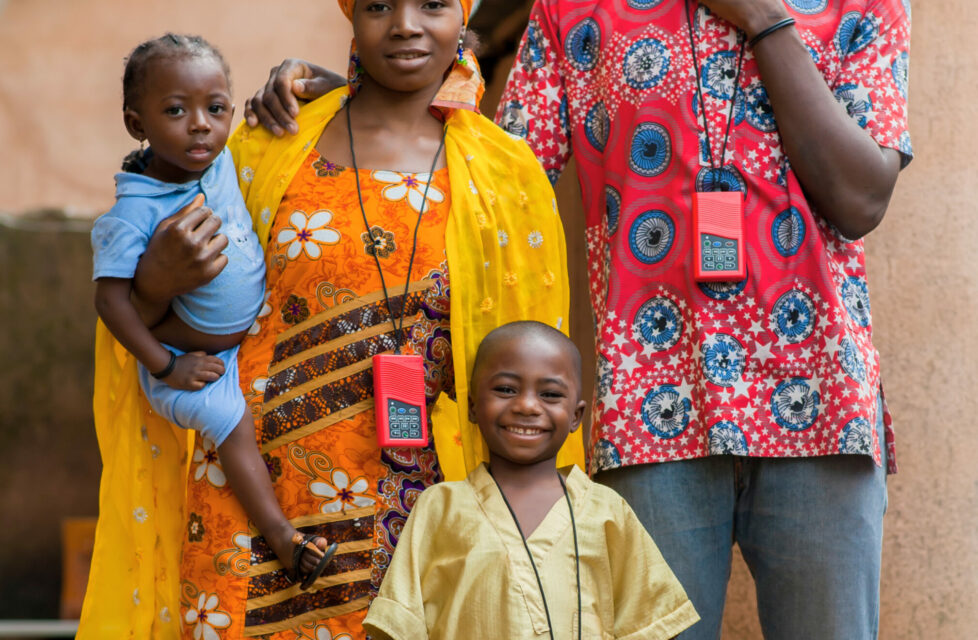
(136, 184)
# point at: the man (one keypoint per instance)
(723, 407)
(751, 409)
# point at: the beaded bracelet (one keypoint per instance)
(168, 369)
(787, 22)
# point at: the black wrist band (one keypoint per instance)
(787, 22)
(168, 369)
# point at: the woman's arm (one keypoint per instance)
(183, 254)
(192, 370)
(846, 175)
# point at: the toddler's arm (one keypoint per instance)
(112, 302)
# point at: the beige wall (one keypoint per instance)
(61, 139)
(61, 65)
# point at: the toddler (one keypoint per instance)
(176, 96)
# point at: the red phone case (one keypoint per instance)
(400, 401)
(718, 228)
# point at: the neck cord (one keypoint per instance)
(699, 92)
(577, 555)
(398, 328)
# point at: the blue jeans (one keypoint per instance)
(810, 530)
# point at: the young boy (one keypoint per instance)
(521, 549)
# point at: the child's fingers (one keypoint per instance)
(205, 376)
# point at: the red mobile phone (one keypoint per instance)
(718, 236)
(400, 401)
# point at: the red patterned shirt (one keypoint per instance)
(781, 363)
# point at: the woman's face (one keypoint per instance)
(407, 45)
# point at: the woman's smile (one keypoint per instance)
(408, 59)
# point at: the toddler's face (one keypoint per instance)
(185, 113)
(526, 398)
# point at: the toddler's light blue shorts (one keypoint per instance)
(214, 411)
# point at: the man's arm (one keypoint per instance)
(276, 105)
(534, 103)
(846, 175)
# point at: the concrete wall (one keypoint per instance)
(61, 139)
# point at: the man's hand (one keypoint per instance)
(183, 254)
(192, 371)
(750, 16)
(277, 103)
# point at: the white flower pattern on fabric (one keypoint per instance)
(265, 310)
(247, 174)
(411, 185)
(323, 633)
(208, 464)
(535, 239)
(339, 493)
(503, 238)
(259, 384)
(306, 234)
(206, 617)
(139, 514)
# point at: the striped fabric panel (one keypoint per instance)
(275, 603)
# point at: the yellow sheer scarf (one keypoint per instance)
(507, 262)
(134, 581)
(505, 244)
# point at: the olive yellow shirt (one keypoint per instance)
(461, 571)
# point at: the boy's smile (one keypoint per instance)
(526, 398)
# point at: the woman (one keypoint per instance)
(407, 220)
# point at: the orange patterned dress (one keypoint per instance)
(306, 372)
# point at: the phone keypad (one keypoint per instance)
(404, 420)
(719, 254)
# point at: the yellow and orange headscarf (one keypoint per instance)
(463, 86)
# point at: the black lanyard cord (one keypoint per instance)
(699, 92)
(398, 328)
(577, 555)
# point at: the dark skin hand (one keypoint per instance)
(277, 103)
(183, 254)
(191, 372)
(847, 177)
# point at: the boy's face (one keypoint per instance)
(185, 112)
(526, 398)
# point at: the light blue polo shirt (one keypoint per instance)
(227, 304)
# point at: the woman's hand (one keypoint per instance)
(192, 371)
(183, 254)
(277, 103)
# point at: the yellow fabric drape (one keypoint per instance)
(133, 585)
(505, 245)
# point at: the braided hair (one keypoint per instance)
(169, 46)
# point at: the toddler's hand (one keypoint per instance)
(194, 370)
